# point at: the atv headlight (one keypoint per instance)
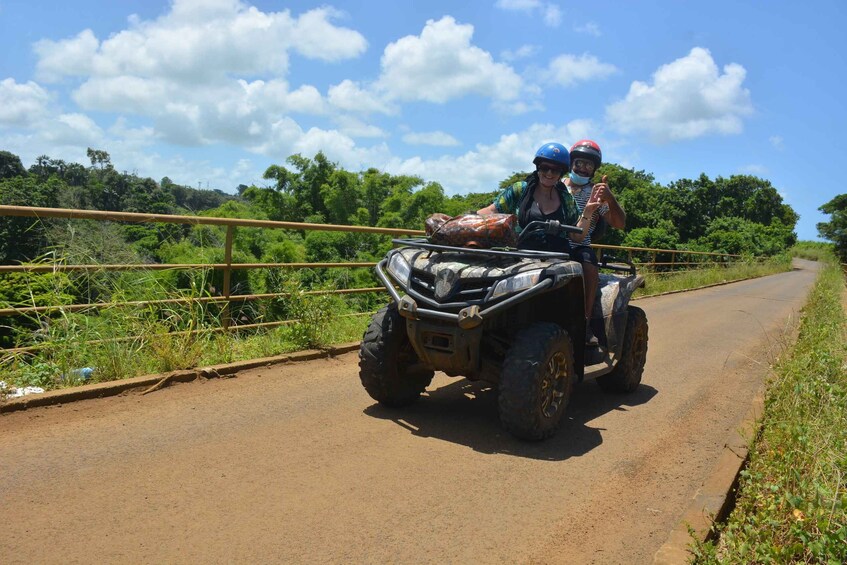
(399, 269)
(516, 283)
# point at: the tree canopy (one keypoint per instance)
(835, 230)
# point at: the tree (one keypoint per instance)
(99, 158)
(10, 165)
(342, 196)
(22, 238)
(835, 230)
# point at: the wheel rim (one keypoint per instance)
(554, 385)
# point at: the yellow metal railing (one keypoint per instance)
(678, 259)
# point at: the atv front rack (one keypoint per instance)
(607, 262)
(494, 252)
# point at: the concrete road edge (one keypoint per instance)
(714, 500)
(112, 388)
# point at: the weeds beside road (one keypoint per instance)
(792, 503)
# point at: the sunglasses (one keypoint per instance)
(546, 169)
(583, 164)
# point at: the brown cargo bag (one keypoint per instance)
(473, 230)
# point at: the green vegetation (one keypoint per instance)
(813, 250)
(792, 506)
(835, 230)
(659, 283)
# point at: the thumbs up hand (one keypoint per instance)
(601, 190)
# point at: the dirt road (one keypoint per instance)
(296, 464)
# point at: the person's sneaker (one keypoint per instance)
(590, 339)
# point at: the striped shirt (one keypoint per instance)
(581, 195)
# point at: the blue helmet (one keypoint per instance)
(555, 153)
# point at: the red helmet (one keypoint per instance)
(587, 149)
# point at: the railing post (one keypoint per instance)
(227, 275)
(673, 260)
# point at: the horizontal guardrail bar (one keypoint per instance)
(35, 212)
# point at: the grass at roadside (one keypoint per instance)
(659, 283)
(69, 349)
(792, 504)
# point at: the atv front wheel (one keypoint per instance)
(626, 376)
(388, 365)
(536, 382)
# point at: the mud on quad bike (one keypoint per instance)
(511, 317)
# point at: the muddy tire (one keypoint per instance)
(536, 383)
(626, 376)
(388, 366)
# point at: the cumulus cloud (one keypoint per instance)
(202, 40)
(688, 98)
(436, 138)
(483, 167)
(72, 56)
(23, 104)
(353, 127)
(569, 70)
(74, 129)
(441, 64)
(206, 71)
(350, 96)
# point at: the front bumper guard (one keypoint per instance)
(468, 317)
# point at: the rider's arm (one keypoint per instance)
(584, 221)
(615, 217)
(507, 201)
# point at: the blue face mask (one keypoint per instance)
(577, 179)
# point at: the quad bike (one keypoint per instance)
(511, 317)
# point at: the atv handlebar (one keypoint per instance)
(550, 227)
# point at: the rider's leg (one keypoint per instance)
(590, 279)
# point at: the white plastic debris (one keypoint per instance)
(12, 392)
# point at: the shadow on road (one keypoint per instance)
(465, 413)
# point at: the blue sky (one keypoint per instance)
(212, 92)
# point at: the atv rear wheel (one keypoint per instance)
(388, 365)
(626, 376)
(536, 382)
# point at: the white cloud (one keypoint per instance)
(208, 71)
(347, 95)
(73, 129)
(441, 64)
(520, 5)
(551, 14)
(569, 70)
(22, 104)
(589, 28)
(777, 142)
(522, 52)
(754, 169)
(356, 128)
(688, 98)
(202, 40)
(436, 138)
(481, 169)
(68, 57)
